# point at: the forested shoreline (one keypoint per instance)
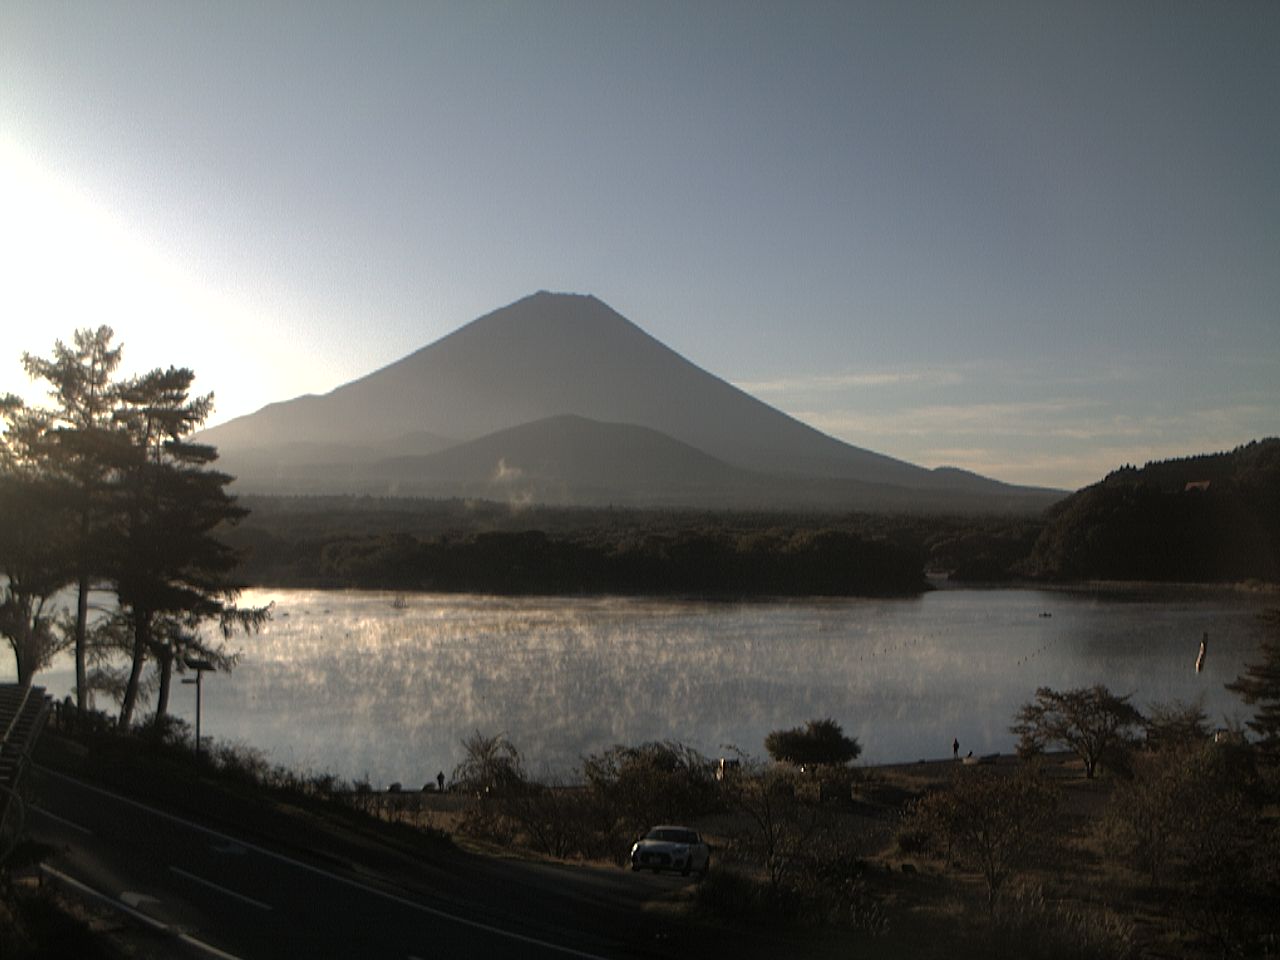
(701, 562)
(1205, 519)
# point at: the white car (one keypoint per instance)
(671, 848)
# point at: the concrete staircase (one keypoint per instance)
(23, 712)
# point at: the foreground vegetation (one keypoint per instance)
(105, 489)
(1147, 836)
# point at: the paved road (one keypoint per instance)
(225, 896)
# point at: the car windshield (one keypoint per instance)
(672, 835)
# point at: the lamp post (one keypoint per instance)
(201, 667)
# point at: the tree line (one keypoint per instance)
(697, 562)
(104, 490)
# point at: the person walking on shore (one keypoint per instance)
(955, 749)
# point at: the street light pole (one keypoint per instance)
(201, 667)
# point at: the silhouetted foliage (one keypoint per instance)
(1175, 724)
(107, 488)
(81, 444)
(492, 765)
(817, 742)
(1259, 686)
(171, 573)
(1094, 723)
(656, 782)
(34, 540)
(439, 547)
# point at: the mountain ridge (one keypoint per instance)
(555, 355)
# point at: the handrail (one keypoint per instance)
(13, 808)
(17, 714)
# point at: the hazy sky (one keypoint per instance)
(1034, 240)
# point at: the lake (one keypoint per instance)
(360, 685)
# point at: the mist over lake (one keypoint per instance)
(383, 686)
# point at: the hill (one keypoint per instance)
(1210, 518)
(552, 356)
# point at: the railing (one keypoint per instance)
(23, 712)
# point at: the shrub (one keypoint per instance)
(990, 821)
(729, 894)
(1028, 927)
(1176, 723)
(492, 766)
(817, 742)
(659, 782)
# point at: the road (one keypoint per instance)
(218, 895)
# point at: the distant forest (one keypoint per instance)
(481, 546)
(458, 545)
(1206, 519)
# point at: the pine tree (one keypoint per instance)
(172, 574)
(1259, 686)
(79, 444)
(33, 558)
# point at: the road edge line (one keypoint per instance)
(160, 927)
(336, 877)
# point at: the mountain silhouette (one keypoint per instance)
(589, 408)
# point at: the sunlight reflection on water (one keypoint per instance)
(347, 683)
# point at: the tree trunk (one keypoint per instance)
(164, 659)
(82, 626)
(24, 660)
(141, 635)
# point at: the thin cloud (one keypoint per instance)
(986, 419)
(826, 383)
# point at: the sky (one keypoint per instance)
(1035, 240)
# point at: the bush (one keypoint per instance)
(492, 767)
(729, 894)
(817, 742)
(1027, 927)
(990, 821)
(659, 782)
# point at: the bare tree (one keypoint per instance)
(492, 766)
(991, 821)
(781, 826)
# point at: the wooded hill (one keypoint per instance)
(1210, 518)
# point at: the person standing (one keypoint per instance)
(955, 749)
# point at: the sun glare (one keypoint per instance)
(69, 263)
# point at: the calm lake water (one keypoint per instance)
(348, 683)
